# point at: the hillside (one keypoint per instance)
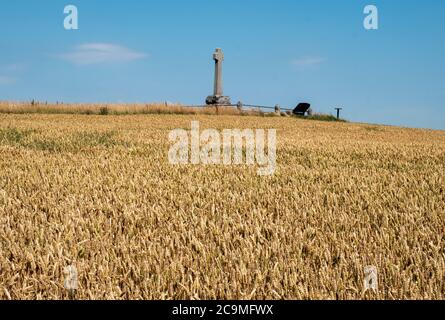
(99, 193)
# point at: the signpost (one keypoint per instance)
(338, 112)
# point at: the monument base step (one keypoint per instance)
(218, 100)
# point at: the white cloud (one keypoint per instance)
(4, 80)
(308, 61)
(95, 53)
(14, 67)
(10, 73)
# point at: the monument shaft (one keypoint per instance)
(218, 86)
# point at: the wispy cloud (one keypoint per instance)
(305, 62)
(14, 67)
(11, 73)
(96, 53)
(4, 80)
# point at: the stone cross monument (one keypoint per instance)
(218, 97)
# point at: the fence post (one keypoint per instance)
(277, 109)
(338, 112)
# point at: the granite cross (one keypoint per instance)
(218, 97)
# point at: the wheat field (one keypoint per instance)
(98, 192)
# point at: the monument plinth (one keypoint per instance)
(218, 97)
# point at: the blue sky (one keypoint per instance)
(279, 51)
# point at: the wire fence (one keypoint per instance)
(241, 105)
(264, 107)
